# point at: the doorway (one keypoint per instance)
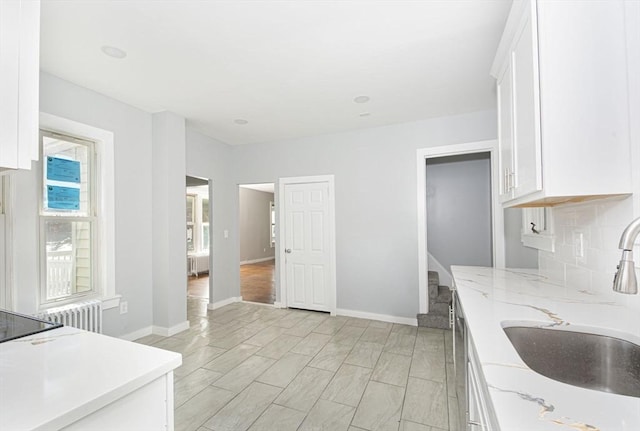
(257, 227)
(198, 237)
(497, 231)
(459, 211)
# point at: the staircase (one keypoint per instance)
(439, 301)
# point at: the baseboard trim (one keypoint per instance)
(278, 304)
(263, 259)
(132, 336)
(219, 304)
(373, 316)
(168, 332)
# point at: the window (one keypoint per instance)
(68, 222)
(272, 211)
(537, 229)
(191, 220)
(205, 224)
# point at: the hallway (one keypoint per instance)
(257, 282)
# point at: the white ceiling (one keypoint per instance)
(290, 68)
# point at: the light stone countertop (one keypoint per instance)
(51, 379)
(523, 399)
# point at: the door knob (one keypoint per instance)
(287, 250)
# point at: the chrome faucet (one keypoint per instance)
(625, 278)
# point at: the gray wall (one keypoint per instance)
(376, 200)
(459, 210)
(517, 255)
(211, 159)
(133, 212)
(255, 224)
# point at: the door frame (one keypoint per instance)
(281, 278)
(497, 216)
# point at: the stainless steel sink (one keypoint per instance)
(587, 360)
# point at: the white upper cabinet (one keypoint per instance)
(563, 111)
(19, 82)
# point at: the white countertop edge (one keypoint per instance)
(96, 404)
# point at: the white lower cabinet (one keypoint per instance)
(147, 408)
(480, 413)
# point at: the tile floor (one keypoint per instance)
(253, 367)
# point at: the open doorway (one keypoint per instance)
(198, 237)
(257, 227)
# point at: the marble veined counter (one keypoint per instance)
(53, 379)
(523, 399)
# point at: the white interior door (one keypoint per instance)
(308, 245)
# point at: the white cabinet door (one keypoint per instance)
(526, 110)
(19, 82)
(505, 132)
(307, 246)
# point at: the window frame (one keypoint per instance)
(104, 202)
(91, 218)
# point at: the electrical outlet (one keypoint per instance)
(124, 307)
(578, 239)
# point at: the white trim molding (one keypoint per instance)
(412, 321)
(219, 304)
(168, 332)
(135, 335)
(264, 259)
(497, 223)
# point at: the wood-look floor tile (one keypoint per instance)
(193, 413)
(244, 409)
(347, 385)
(348, 335)
(428, 365)
(413, 426)
(311, 344)
(278, 418)
(331, 356)
(380, 407)
(392, 369)
(305, 389)
(197, 359)
(364, 354)
(242, 375)
(195, 382)
(231, 358)
(284, 370)
(265, 336)
(330, 326)
(278, 347)
(404, 329)
(375, 335)
(400, 344)
(328, 416)
(426, 403)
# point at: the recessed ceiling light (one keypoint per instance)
(114, 52)
(364, 114)
(240, 121)
(362, 99)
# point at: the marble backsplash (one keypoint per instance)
(601, 223)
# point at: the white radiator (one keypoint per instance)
(83, 315)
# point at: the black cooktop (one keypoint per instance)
(14, 325)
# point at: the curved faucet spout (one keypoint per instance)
(629, 235)
(625, 279)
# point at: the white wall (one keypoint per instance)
(459, 210)
(376, 204)
(516, 254)
(255, 224)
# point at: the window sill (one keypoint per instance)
(111, 302)
(539, 241)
